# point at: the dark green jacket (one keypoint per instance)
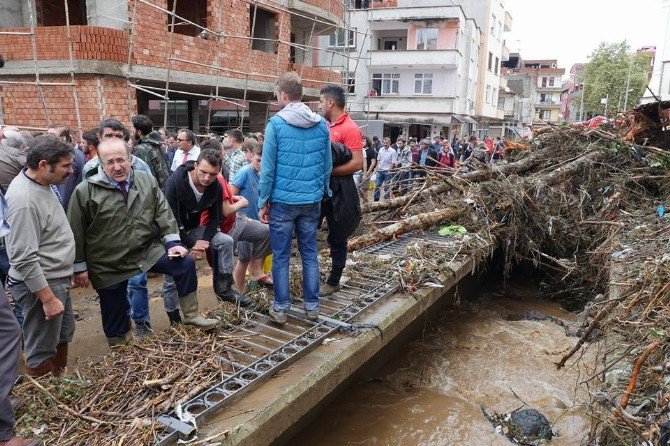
(150, 151)
(115, 240)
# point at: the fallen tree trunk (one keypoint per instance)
(419, 221)
(476, 176)
(570, 169)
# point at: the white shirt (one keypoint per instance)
(196, 192)
(386, 158)
(178, 160)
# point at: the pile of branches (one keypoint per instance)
(568, 205)
(115, 399)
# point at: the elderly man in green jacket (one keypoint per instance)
(123, 225)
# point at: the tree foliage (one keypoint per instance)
(605, 76)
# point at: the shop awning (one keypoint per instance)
(465, 119)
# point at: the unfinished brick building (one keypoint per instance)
(205, 64)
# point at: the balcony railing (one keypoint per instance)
(415, 58)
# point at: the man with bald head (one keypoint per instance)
(123, 225)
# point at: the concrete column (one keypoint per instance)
(12, 14)
(194, 115)
(106, 13)
(257, 115)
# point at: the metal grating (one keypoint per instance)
(269, 348)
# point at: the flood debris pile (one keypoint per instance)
(115, 399)
(578, 202)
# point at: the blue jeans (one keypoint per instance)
(383, 176)
(283, 220)
(138, 298)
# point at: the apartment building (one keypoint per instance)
(571, 95)
(540, 80)
(216, 70)
(420, 66)
(496, 21)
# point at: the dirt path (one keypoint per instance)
(89, 339)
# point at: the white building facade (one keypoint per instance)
(414, 66)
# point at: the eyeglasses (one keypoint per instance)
(119, 161)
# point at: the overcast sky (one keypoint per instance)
(569, 30)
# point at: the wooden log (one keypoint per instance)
(476, 176)
(570, 169)
(419, 221)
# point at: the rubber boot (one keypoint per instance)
(224, 291)
(189, 306)
(60, 359)
(42, 369)
(175, 317)
(117, 340)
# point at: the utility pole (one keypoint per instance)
(630, 68)
(607, 103)
(581, 105)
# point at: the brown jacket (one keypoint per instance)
(12, 161)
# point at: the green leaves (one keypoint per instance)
(606, 76)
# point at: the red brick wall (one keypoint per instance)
(22, 106)
(316, 77)
(88, 42)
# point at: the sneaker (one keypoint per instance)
(278, 317)
(312, 315)
(325, 289)
(143, 330)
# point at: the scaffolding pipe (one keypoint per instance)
(75, 95)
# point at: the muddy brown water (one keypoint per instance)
(431, 392)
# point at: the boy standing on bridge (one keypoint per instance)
(295, 168)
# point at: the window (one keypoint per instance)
(361, 4)
(426, 39)
(494, 97)
(262, 28)
(490, 63)
(339, 40)
(386, 83)
(545, 115)
(551, 81)
(488, 94)
(52, 13)
(390, 45)
(495, 67)
(195, 11)
(351, 83)
(423, 83)
(493, 25)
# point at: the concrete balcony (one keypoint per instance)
(415, 59)
(548, 104)
(330, 10)
(411, 104)
(412, 12)
(508, 22)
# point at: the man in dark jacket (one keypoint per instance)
(343, 210)
(122, 226)
(149, 149)
(192, 189)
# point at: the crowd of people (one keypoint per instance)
(395, 168)
(108, 206)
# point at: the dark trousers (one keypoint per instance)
(337, 241)
(10, 335)
(114, 305)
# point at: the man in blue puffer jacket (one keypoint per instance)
(295, 172)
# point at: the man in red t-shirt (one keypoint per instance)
(347, 132)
